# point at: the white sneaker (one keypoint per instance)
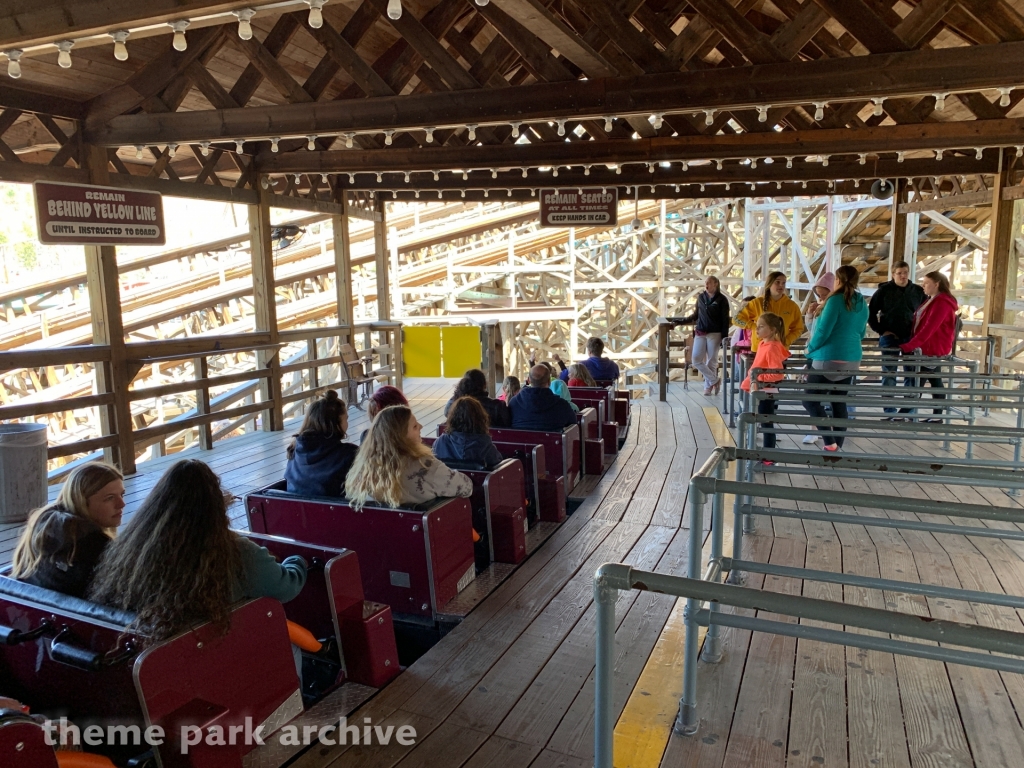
(811, 439)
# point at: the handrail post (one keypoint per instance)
(201, 369)
(605, 596)
(1020, 426)
(664, 329)
(687, 720)
(713, 642)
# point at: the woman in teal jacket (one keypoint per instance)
(835, 351)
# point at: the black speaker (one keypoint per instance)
(882, 189)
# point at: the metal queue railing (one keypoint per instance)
(706, 594)
(982, 393)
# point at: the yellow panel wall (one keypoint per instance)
(421, 350)
(460, 346)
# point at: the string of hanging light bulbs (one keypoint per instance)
(179, 42)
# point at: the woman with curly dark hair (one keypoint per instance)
(178, 564)
(467, 435)
(474, 384)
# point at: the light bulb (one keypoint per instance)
(239, 146)
(406, 177)
(978, 152)
(718, 164)
(323, 178)
(938, 154)
(172, 149)
(244, 16)
(862, 159)
(437, 176)
(819, 110)
(555, 171)
(515, 130)
(311, 143)
(179, 43)
(417, 194)
(482, 3)
(701, 187)
(940, 101)
(618, 170)
(1020, 151)
(686, 166)
(298, 179)
(316, 16)
(389, 138)
(762, 114)
(753, 162)
(586, 170)
(877, 111)
(465, 175)
(608, 123)
(709, 117)
(138, 151)
(273, 145)
(14, 63)
(1004, 97)
(494, 173)
(394, 9)
(657, 121)
(463, 193)
(64, 57)
(533, 193)
(727, 186)
(440, 195)
(351, 178)
(348, 139)
(650, 167)
(789, 162)
(510, 193)
(824, 161)
(487, 193)
(204, 147)
(472, 132)
(120, 49)
(561, 127)
(804, 184)
(524, 172)
(778, 185)
(856, 183)
(380, 178)
(430, 135)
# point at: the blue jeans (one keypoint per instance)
(816, 410)
(890, 347)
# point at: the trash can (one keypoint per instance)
(22, 470)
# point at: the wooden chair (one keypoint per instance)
(360, 373)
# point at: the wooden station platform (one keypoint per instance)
(512, 685)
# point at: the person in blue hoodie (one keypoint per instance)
(537, 407)
(318, 457)
(467, 435)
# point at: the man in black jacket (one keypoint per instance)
(712, 321)
(891, 316)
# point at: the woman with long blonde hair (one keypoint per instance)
(63, 541)
(394, 467)
(178, 564)
(773, 299)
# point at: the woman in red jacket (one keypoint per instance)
(934, 331)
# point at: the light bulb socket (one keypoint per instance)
(64, 56)
(179, 43)
(244, 16)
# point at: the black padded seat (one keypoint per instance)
(64, 603)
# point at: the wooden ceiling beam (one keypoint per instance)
(346, 56)
(33, 101)
(535, 53)
(151, 78)
(275, 42)
(859, 77)
(271, 69)
(865, 25)
(734, 27)
(998, 17)
(832, 142)
(621, 32)
(635, 175)
(535, 16)
(920, 21)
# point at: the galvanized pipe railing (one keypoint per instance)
(706, 595)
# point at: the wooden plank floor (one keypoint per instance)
(512, 685)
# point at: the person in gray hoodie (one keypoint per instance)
(467, 435)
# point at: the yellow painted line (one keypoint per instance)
(645, 726)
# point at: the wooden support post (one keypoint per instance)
(381, 257)
(397, 364)
(202, 371)
(898, 235)
(1000, 248)
(265, 305)
(343, 265)
(108, 328)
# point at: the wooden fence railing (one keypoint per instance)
(314, 361)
